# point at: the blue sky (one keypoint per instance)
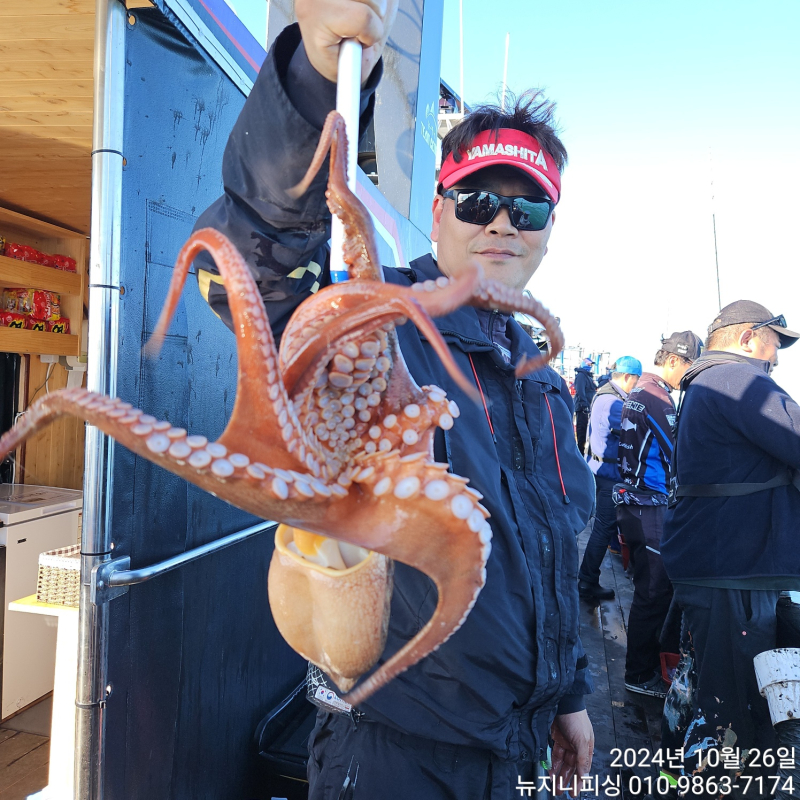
(654, 99)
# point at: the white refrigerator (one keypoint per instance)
(32, 519)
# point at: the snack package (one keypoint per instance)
(35, 324)
(26, 253)
(64, 263)
(37, 303)
(18, 301)
(46, 305)
(58, 325)
(14, 250)
(9, 319)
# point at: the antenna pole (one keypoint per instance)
(461, 53)
(716, 258)
(714, 226)
(505, 72)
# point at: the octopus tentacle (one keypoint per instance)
(258, 411)
(360, 248)
(210, 465)
(494, 295)
(318, 158)
(447, 538)
(491, 294)
(377, 305)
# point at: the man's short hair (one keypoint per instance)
(531, 113)
(663, 355)
(661, 358)
(729, 335)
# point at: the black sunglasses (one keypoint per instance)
(480, 208)
(779, 320)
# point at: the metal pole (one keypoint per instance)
(348, 104)
(132, 577)
(104, 259)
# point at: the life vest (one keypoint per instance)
(608, 388)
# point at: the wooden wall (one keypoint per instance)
(46, 56)
(54, 457)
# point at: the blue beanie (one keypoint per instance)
(628, 365)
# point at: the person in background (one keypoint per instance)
(645, 454)
(472, 717)
(604, 429)
(730, 541)
(585, 389)
(606, 376)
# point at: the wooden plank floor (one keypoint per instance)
(621, 719)
(24, 759)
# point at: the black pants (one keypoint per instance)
(714, 699)
(393, 766)
(652, 591)
(604, 531)
(581, 426)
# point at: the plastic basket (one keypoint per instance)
(59, 581)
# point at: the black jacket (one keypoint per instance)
(736, 425)
(585, 389)
(498, 682)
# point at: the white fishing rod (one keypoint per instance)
(348, 104)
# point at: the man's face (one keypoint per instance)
(765, 344)
(676, 368)
(506, 254)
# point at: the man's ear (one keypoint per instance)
(745, 338)
(438, 209)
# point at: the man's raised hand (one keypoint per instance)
(324, 23)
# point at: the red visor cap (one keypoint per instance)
(506, 146)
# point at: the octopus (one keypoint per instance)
(331, 436)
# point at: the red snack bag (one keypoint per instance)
(58, 325)
(47, 261)
(11, 320)
(18, 301)
(14, 250)
(46, 305)
(65, 263)
(30, 254)
(35, 324)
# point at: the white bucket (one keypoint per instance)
(778, 675)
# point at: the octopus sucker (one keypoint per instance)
(331, 436)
